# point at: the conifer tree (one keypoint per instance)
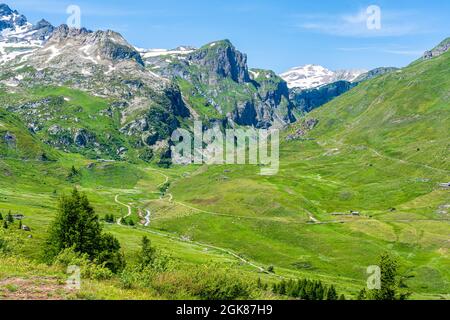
(389, 279)
(9, 217)
(332, 294)
(362, 295)
(147, 254)
(77, 226)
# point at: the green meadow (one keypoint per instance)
(380, 150)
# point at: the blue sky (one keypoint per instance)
(275, 34)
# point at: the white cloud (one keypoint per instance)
(396, 51)
(354, 24)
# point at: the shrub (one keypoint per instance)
(89, 270)
(208, 282)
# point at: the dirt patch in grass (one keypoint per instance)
(37, 288)
(205, 201)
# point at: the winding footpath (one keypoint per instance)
(180, 239)
(119, 221)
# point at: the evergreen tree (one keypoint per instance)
(147, 254)
(5, 225)
(259, 284)
(332, 294)
(342, 297)
(362, 295)
(1, 217)
(10, 218)
(73, 174)
(389, 274)
(77, 226)
(110, 255)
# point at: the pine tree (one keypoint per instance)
(259, 283)
(332, 294)
(282, 288)
(5, 225)
(362, 295)
(147, 254)
(77, 226)
(9, 217)
(73, 173)
(389, 274)
(342, 297)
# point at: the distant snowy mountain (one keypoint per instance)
(313, 76)
(18, 37)
(151, 53)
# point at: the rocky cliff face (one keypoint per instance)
(220, 60)
(442, 48)
(308, 100)
(216, 77)
(375, 73)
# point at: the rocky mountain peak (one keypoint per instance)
(95, 47)
(63, 32)
(312, 76)
(18, 37)
(10, 19)
(222, 59)
(5, 10)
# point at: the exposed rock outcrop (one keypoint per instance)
(442, 48)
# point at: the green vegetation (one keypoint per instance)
(380, 150)
(77, 227)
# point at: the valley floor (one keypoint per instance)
(297, 222)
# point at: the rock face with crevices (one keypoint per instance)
(440, 49)
(217, 84)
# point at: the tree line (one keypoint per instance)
(306, 290)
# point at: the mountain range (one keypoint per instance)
(363, 168)
(313, 76)
(154, 91)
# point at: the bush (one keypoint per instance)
(89, 270)
(10, 241)
(4, 247)
(207, 282)
(150, 262)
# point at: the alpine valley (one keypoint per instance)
(364, 170)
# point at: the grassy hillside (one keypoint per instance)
(380, 149)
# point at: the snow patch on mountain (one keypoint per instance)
(151, 53)
(313, 76)
(18, 37)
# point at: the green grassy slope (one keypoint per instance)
(381, 149)
(404, 114)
